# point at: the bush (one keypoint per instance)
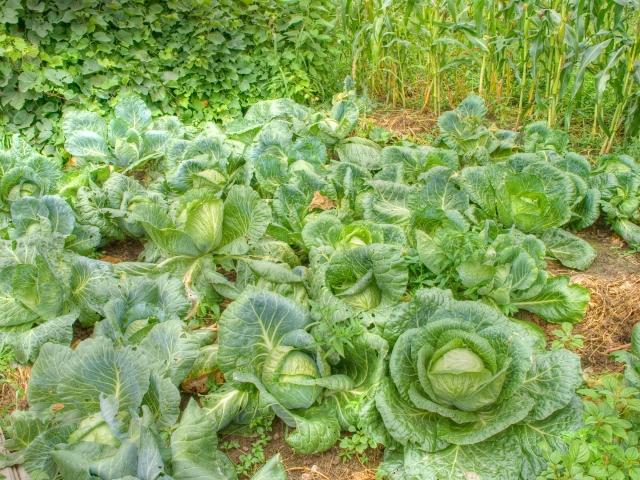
(198, 59)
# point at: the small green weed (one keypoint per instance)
(607, 447)
(355, 446)
(255, 456)
(565, 338)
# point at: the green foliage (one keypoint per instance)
(282, 274)
(247, 462)
(631, 359)
(356, 445)
(197, 59)
(607, 446)
(565, 338)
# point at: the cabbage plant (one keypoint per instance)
(275, 155)
(267, 349)
(536, 197)
(209, 160)
(471, 393)
(618, 176)
(193, 234)
(128, 140)
(342, 119)
(293, 202)
(409, 162)
(464, 130)
(46, 285)
(108, 206)
(506, 269)
(327, 229)
(436, 200)
(274, 267)
(355, 276)
(25, 172)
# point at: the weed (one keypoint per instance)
(607, 447)
(565, 338)
(356, 445)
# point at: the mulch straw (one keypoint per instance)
(404, 122)
(613, 310)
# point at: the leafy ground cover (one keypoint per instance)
(175, 286)
(58, 54)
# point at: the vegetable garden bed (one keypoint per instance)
(209, 280)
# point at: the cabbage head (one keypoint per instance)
(470, 390)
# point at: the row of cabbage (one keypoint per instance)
(367, 287)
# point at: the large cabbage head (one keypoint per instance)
(465, 380)
(452, 367)
(462, 371)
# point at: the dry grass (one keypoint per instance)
(613, 311)
(614, 283)
(404, 122)
(13, 388)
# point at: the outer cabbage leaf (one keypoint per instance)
(571, 250)
(193, 449)
(272, 470)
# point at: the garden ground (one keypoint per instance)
(613, 281)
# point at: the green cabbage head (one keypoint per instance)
(289, 375)
(466, 382)
(265, 342)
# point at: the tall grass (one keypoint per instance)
(553, 59)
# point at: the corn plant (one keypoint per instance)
(548, 59)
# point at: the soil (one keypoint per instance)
(324, 466)
(614, 283)
(80, 333)
(127, 250)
